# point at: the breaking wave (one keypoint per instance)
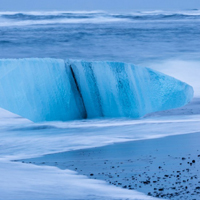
(65, 17)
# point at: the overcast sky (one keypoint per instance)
(108, 5)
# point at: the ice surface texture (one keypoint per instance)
(39, 89)
(111, 89)
(52, 89)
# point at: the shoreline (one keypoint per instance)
(163, 167)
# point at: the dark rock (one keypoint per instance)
(149, 193)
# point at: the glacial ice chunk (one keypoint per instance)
(114, 89)
(39, 90)
(52, 89)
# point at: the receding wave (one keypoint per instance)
(55, 17)
(34, 128)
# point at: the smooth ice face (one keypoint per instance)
(39, 90)
(112, 89)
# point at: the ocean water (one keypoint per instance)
(162, 40)
(137, 37)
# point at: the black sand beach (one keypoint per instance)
(166, 167)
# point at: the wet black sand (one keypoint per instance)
(167, 167)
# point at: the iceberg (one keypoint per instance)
(57, 90)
